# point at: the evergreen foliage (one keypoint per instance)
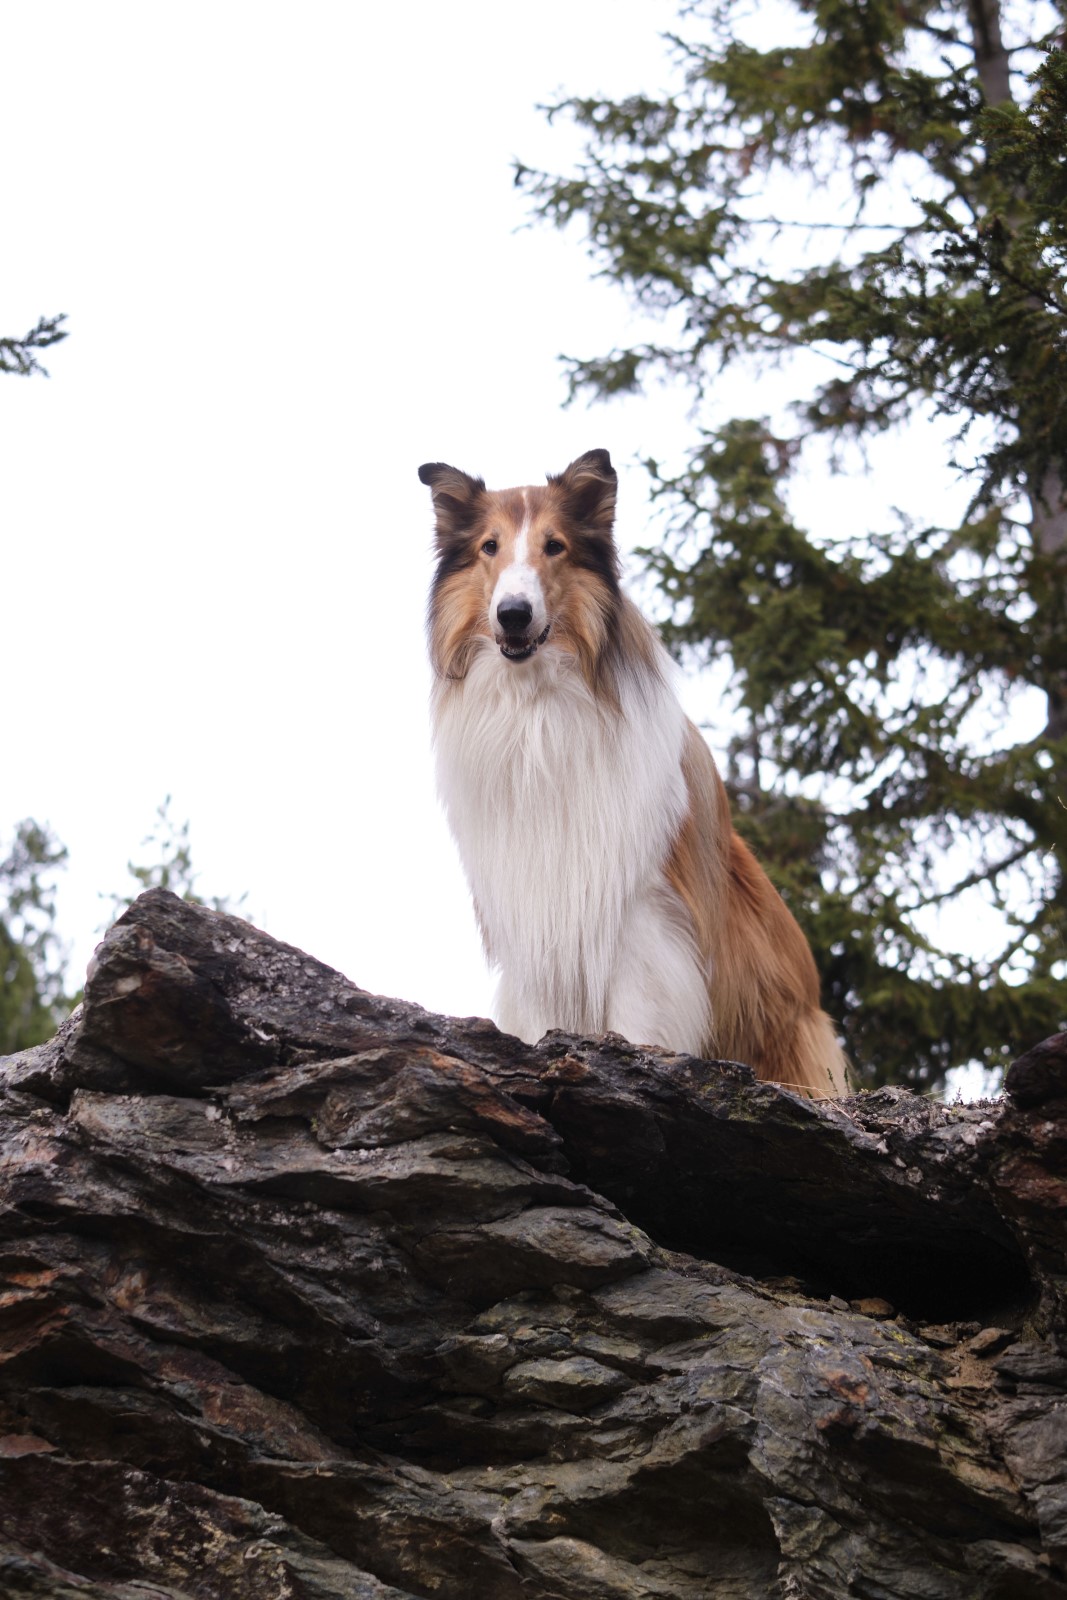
(33, 958)
(32, 998)
(20, 355)
(170, 866)
(920, 271)
(32, 1001)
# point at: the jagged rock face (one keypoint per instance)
(311, 1294)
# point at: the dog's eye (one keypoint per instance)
(553, 547)
(490, 547)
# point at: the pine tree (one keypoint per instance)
(32, 958)
(926, 153)
(170, 866)
(32, 999)
(34, 996)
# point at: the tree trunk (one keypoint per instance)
(312, 1294)
(990, 57)
(1044, 488)
(1048, 527)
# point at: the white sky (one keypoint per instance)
(286, 239)
(294, 266)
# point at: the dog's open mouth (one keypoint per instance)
(516, 648)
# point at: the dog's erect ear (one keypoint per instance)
(588, 486)
(456, 496)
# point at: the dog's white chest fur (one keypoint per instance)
(565, 813)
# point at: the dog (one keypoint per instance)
(610, 887)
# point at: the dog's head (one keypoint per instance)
(523, 568)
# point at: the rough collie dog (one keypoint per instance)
(610, 887)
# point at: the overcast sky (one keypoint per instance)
(294, 266)
(290, 250)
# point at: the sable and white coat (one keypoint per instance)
(610, 887)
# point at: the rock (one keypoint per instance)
(989, 1341)
(308, 1293)
(1029, 1170)
(943, 1335)
(873, 1306)
(1039, 1076)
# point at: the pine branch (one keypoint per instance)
(983, 874)
(20, 355)
(1024, 931)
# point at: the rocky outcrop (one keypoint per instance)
(307, 1293)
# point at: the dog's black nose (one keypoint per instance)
(514, 614)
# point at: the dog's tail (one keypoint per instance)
(816, 1063)
(762, 980)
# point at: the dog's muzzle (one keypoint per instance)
(514, 615)
(520, 648)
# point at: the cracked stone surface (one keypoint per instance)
(308, 1293)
